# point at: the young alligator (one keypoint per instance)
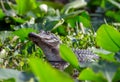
(49, 43)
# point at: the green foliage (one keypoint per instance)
(111, 57)
(85, 21)
(18, 20)
(115, 3)
(67, 54)
(8, 80)
(42, 69)
(102, 71)
(116, 76)
(74, 23)
(79, 19)
(88, 74)
(25, 5)
(108, 38)
(74, 5)
(2, 15)
(114, 15)
(9, 75)
(23, 33)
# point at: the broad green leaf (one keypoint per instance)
(8, 80)
(85, 14)
(23, 6)
(85, 21)
(23, 33)
(60, 22)
(117, 76)
(49, 25)
(2, 15)
(103, 3)
(46, 73)
(8, 74)
(73, 5)
(53, 22)
(106, 55)
(109, 57)
(18, 20)
(68, 55)
(72, 21)
(107, 69)
(71, 14)
(108, 38)
(61, 30)
(113, 14)
(89, 74)
(117, 4)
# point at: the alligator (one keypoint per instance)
(49, 43)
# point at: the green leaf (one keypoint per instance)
(84, 18)
(85, 14)
(23, 33)
(109, 57)
(24, 6)
(85, 21)
(115, 3)
(10, 75)
(107, 69)
(69, 56)
(106, 55)
(117, 76)
(71, 14)
(61, 30)
(103, 3)
(50, 24)
(53, 23)
(18, 20)
(108, 38)
(2, 15)
(89, 74)
(72, 21)
(73, 5)
(46, 73)
(113, 14)
(8, 80)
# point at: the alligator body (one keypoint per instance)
(49, 43)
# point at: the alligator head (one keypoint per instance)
(49, 43)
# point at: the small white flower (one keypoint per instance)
(43, 7)
(32, 20)
(2, 53)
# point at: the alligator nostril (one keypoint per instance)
(33, 35)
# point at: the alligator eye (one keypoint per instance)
(55, 50)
